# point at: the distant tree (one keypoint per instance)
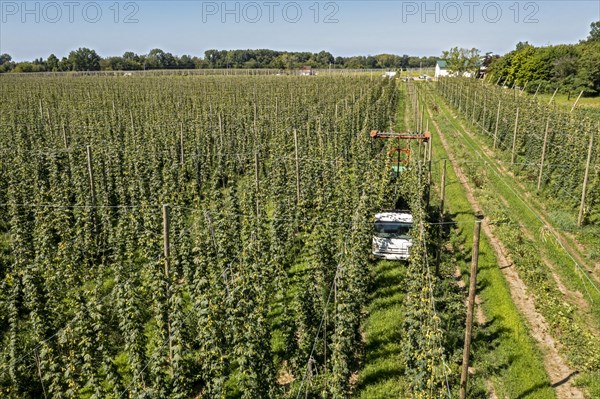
(4, 58)
(23, 67)
(594, 32)
(522, 45)
(52, 63)
(370, 62)
(6, 64)
(214, 58)
(158, 59)
(588, 74)
(461, 59)
(186, 62)
(404, 62)
(324, 58)
(386, 60)
(64, 65)
(84, 59)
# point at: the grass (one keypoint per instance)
(520, 211)
(503, 351)
(381, 376)
(567, 102)
(568, 322)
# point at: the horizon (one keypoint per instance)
(35, 29)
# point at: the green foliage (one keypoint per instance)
(84, 59)
(90, 305)
(488, 106)
(461, 59)
(544, 69)
(594, 32)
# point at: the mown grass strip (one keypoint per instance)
(382, 375)
(503, 350)
(569, 322)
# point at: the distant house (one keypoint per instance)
(306, 71)
(441, 69)
(478, 70)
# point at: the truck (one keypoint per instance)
(391, 235)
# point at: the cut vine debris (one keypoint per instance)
(555, 365)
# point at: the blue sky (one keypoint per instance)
(35, 29)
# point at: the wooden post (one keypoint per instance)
(220, 134)
(514, 143)
(257, 182)
(474, 106)
(429, 164)
(539, 184)
(470, 305)
(585, 181)
(430, 147)
(552, 98)
(166, 241)
(441, 219)
(65, 136)
(277, 112)
(523, 89)
(428, 184)
(443, 189)
(576, 101)
(422, 118)
(297, 167)
(497, 121)
(416, 114)
(167, 254)
(536, 90)
(182, 158)
(39, 370)
(91, 174)
(483, 118)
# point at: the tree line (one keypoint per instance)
(85, 59)
(570, 68)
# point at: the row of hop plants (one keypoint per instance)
(270, 182)
(493, 110)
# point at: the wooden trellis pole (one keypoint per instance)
(514, 143)
(497, 121)
(539, 184)
(585, 182)
(90, 169)
(470, 305)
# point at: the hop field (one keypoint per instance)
(182, 236)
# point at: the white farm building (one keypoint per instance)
(441, 69)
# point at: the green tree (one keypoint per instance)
(84, 59)
(588, 74)
(461, 60)
(52, 63)
(6, 63)
(594, 32)
(4, 58)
